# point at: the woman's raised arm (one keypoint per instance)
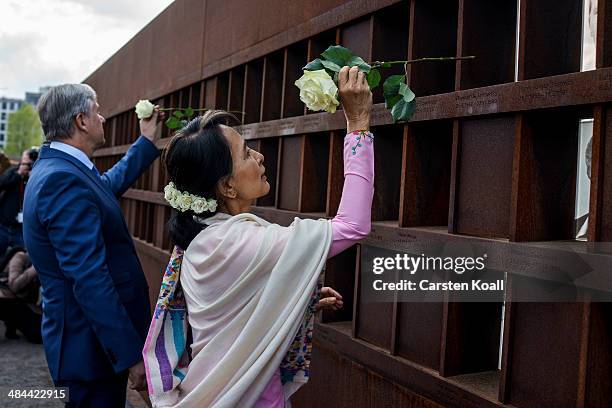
(353, 221)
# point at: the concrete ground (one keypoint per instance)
(23, 365)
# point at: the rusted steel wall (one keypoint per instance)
(485, 159)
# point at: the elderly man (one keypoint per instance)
(95, 296)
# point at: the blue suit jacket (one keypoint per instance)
(95, 297)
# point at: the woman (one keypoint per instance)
(249, 286)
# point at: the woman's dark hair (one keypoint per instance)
(33, 153)
(196, 158)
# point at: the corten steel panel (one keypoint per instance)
(426, 174)
(604, 34)
(472, 334)
(601, 196)
(544, 175)
(295, 59)
(489, 33)
(313, 191)
(345, 383)
(423, 345)
(545, 354)
(340, 275)
(356, 36)
(390, 40)
(290, 172)
(550, 38)
(387, 172)
(599, 366)
(486, 148)
(165, 55)
(433, 32)
(269, 149)
(236, 25)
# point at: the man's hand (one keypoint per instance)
(137, 377)
(150, 127)
(356, 98)
(330, 299)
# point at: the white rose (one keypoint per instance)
(185, 202)
(144, 109)
(199, 205)
(212, 205)
(170, 192)
(318, 91)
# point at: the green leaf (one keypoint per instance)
(406, 92)
(331, 66)
(179, 114)
(391, 88)
(314, 65)
(338, 55)
(402, 110)
(373, 78)
(358, 61)
(173, 123)
(189, 112)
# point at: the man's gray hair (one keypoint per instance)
(60, 105)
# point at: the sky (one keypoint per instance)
(50, 42)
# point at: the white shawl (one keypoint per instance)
(247, 284)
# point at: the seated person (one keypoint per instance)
(19, 296)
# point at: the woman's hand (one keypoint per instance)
(150, 128)
(356, 98)
(330, 299)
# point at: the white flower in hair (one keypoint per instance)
(199, 205)
(183, 201)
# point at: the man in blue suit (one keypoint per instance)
(95, 297)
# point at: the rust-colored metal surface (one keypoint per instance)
(486, 161)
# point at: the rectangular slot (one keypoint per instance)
(550, 38)
(483, 146)
(373, 320)
(433, 32)
(387, 172)
(303, 175)
(236, 92)
(538, 349)
(423, 345)
(335, 173)
(253, 77)
(194, 100)
(545, 176)
(313, 185)
(472, 337)
(357, 37)
(489, 33)
(272, 86)
(269, 148)
(426, 174)
(390, 41)
(340, 275)
(295, 59)
(289, 172)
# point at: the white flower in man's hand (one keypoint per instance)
(318, 91)
(144, 109)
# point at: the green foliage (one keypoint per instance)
(24, 131)
(399, 98)
(373, 78)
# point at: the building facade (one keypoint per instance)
(7, 106)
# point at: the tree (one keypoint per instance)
(24, 131)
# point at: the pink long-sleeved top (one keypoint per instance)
(351, 224)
